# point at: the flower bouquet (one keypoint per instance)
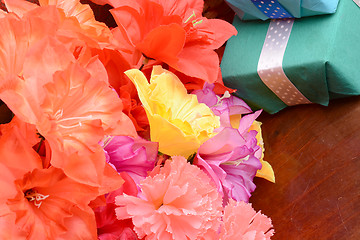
(123, 133)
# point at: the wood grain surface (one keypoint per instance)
(315, 153)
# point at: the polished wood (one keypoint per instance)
(315, 153)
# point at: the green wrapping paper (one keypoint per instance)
(322, 58)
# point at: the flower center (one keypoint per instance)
(60, 120)
(219, 99)
(237, 162)
(33, 196)
(106, 140)
(194, 22)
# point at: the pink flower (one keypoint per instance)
(136, 156)
(241, 221)
(178, 202)
(224, 106)
(231, 158)
(228, 158)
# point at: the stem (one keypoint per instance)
(40, 143)
(191, 158)
(145, 61)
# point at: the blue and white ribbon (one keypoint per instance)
(272, 9)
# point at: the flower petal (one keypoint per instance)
(19, 7)
(164, 43)
(198, 62)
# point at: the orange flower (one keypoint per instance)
(16, 37)
(72, 9)
(173, 32)
(76, 113)
(41, 203)
(115, 65)
(72, 106)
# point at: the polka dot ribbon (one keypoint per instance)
(270, 68)
(272, 9)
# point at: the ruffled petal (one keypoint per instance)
(19, 7)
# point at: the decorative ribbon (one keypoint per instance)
(357, 2)
(272, 9)
(270, 68)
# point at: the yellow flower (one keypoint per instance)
(178, 122)
(266, 171)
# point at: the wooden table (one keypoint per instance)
(315, 153)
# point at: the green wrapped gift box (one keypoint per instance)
(322, 58)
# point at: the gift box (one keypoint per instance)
(273, 9)
(274, 64)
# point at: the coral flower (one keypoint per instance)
(177, 121)
(178, 202)
(76, 113)
(84, 15)
(115, 65)
(173, 32)
(73, 10)
(17, 35)
(241, 221)
(71, 105)
(41, 203)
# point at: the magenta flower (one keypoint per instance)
(230, 158)
(224, 106)
(135, 156)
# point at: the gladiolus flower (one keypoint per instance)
(266, 170)
(231, 111)
(173, 32)
(42, 203)
(241, 221)
(84, 23)
(224, 107)
(228, 158)
(248, 123)
(84, 15)
(177, 120)
(76, 113)
(136, 156)
(72, 107)
(178, 202)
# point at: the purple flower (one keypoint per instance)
(224, 106)
(231, 158)
(134, 156)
